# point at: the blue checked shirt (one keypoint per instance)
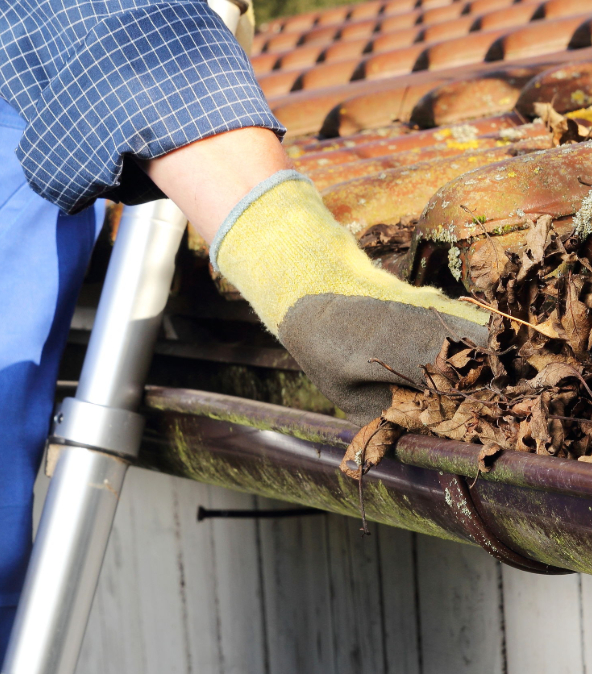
(100, 80)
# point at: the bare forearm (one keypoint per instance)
(206, 179)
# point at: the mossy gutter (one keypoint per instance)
(308, 426)
(520, 469)
(540, 507)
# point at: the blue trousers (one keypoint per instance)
(43, 258)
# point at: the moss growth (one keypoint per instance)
(337, 493)
(288, 388)
(544, 538)
(261, 424)
(507, 229)
(295, 389)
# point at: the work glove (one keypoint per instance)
(329, 305)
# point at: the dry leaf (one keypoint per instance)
(434, 413)
(369, 446)
(462, 424)
(577, 321)
(406, 408)
(388, 238)
(557, 436)
(471, 378)
(539, 358)
(524, 441)
(462, 358)
(439, 379)
(490, 433)
(536, 243)
(487, 265)
(528, 391)
(441, 361)
(551, 327)
(564, 130)
(539, 425)
(552, 374)
(523, 408)
(488, 455)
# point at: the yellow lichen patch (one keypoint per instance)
(294, 152)
(441, 135)
(511, 174)
(582, 113)
(580, 97)
(463, 145)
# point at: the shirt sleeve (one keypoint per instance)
(100, 81)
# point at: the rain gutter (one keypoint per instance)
(530, 511)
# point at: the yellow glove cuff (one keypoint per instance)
(280, 243)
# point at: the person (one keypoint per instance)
(137, 99)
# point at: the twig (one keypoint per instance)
(582, 260)
(429, 376)
(448, 430)
(456, 336)
(523, 119)
(561, 247)
(579, 376)
(403, 99)
(446, 327)
(469, 344)
(573, 318)
(579, 419)
(462, 394)
(365, 531)
(434, 390)
(397, 374)
(477, 221)
(450, 379)
(501, 313)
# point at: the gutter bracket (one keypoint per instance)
(458, 497)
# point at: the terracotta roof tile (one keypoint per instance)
(367, 10)
(445, 13)
(423, 109)
(568, 87)
(346, 49)
(335, 15)
(398, 98)
(541, 37)
(508, 17)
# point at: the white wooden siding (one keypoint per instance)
(309, 595)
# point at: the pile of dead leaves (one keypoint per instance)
(381, 239)
(528, 389)
(564, 129)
